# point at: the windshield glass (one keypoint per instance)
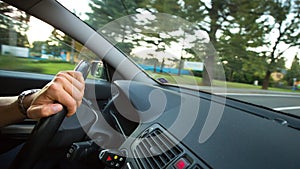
(247, 50)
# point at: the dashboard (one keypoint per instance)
(165, 128)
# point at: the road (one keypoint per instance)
(285, 102)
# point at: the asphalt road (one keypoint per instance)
(284, 102)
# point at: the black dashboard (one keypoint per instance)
(165, 128)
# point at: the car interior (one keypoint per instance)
(128, 120)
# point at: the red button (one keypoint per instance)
(181, 164)
(108, 158)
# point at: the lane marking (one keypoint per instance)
(287, 108)
(255, 94)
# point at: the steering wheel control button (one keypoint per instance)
(108, 158)
(81, 150)
(112, 159)
(182, 163)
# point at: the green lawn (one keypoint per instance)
(190, 80)
(51, 68)
(31, 65)
(249, 86)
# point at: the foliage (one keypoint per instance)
(55, 45)
(248, 35)
(294, 72)
(283, 22)
(13, 25)
(108, 11)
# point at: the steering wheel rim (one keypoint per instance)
(43, 132)
(38, 141)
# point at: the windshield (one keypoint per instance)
(247, 50)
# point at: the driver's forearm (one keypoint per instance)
(9, 111)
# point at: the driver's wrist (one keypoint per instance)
(25, 100)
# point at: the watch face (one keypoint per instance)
(28, 92)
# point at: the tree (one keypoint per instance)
(122, 32)
(60, 42)
(293, 72)
(13, 25)
(237, 46)
(283, 20)
(231, 26)
(37, 47)
(108, 11)
(170, 27)
(237, 28)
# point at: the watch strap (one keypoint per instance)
(21, 98)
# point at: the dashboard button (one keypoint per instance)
(182, 163)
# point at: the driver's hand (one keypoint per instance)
(67, 88)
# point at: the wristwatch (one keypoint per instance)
(21, 98)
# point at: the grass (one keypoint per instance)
(190, 80)
(175, 79)
(31, 65)
(249, 86)
(51, 68)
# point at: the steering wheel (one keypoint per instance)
(43, 132)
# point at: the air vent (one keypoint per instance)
(155, 150)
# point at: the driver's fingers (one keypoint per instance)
(50, 101)
(74, 77)
(67, 88)
(62, 91)
(73, 87)
(39, 111)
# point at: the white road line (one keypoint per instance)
(287, 108)
(255, 94)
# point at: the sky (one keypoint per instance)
(38, 30)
